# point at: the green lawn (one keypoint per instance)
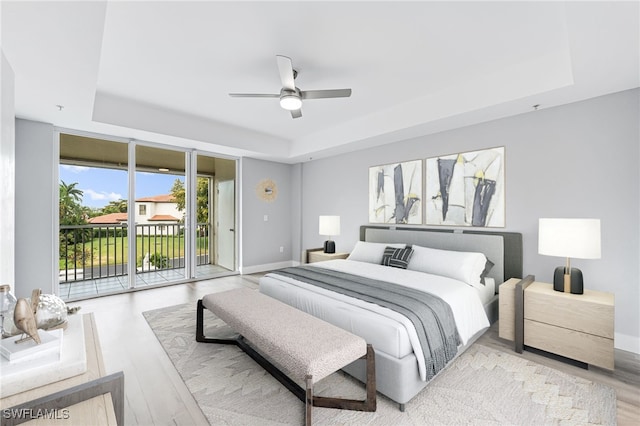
(115, 250)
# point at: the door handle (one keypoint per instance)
(232, 230)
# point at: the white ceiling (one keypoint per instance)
(162, 71)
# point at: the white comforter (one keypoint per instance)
(465, 303)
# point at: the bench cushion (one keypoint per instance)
(299, 343)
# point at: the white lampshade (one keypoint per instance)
(329, 225)
(575, 238)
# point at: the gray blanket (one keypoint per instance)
(431, 316)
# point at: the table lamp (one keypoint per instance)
(577, 238)
(329, 226)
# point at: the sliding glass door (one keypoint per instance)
(135, 214)
(93, 231)
(161, 211)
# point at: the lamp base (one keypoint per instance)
(329, 246)
(568, 283)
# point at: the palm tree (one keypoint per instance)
(71, 212)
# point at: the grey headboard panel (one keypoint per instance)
(504, 249)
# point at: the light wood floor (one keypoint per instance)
(156, 395)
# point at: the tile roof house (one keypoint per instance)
(152, 215)
(109, 219)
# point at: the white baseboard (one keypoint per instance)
(267, 267)
(627, 343)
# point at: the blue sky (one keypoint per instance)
(100, 186)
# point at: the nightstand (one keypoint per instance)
(320, 256)
(576, 326)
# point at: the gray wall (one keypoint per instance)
(261, 240)
(577, 160)
(296, 212)
(36, 193)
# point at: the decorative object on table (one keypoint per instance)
(329, 226)
(48, 367)
(51, 312)
(466, 189)
(577, 238)
(25, 320)
(38, 345)
(7, 307)
(395, 193)
(267, 190)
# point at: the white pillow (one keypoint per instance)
(459, 265)
(370, 252)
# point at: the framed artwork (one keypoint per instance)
(395, 193)
(466, 189)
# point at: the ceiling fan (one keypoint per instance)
(290, 96)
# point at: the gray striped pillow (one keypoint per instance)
(397, 257)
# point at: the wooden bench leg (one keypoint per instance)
(308, 405)
(369, 404)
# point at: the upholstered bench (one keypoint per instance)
(306, 348)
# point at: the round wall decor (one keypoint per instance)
(267, 190)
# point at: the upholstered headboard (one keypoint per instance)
(504, 249)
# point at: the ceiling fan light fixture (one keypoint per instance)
(290, 102)
(290, 96)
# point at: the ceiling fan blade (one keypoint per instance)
(296, 113)
(253, 95)
(285, 67)
(321, 94)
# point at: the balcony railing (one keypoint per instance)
(100, 251)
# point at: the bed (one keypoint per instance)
(471, 295)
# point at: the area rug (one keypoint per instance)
(482, 386)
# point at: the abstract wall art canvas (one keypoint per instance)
(466, 189)
(395, 193)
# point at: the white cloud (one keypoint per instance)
(74, 169)
(102, 196)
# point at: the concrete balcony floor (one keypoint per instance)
(79, 290)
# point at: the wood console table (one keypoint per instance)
(91, 398)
